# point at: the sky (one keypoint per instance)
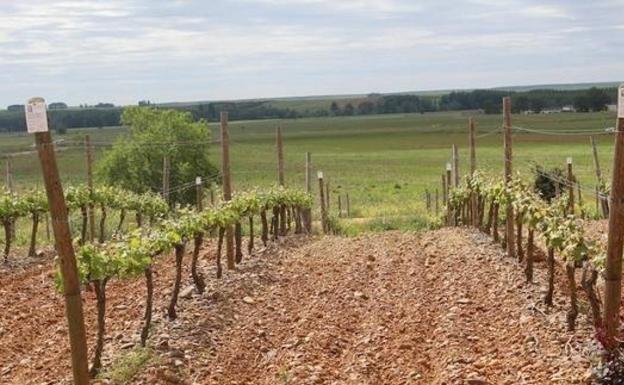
(183, 50)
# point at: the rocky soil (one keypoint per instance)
(441, 307)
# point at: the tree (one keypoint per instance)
(136, 160)
(335, 110)
(598, 99)
(365, 107)
(348, 110)
(57, 106)
(16, 107)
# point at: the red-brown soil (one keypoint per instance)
(441, 307)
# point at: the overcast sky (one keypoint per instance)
(181, 50)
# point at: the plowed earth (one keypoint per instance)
(442, 307)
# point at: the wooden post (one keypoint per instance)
(90, 208)
(444, 193)
(165, 178)
(509, 222)
(613, 271)
(339, 206)
(472, 144)
(473, 168)
(322, 199)
(199, 193)
(227, 186)
(348, 206)
(570, 186)
(212, 195)
(449, 213)
(280, 155)
(308, 172)
(37, 122)
(455, 166)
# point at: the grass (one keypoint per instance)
(384, 162)
(125, 367)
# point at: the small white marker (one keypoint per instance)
(320, 174)
(198, 180)
(569, 160)
(448, 167)
(36, 116)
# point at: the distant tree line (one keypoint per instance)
(62, 118)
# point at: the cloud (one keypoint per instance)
(295, 46)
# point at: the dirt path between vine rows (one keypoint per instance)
(441, 307)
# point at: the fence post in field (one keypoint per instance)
(279, 144)
(473, 168)
(455, 167)
(613, 264)
(348, 206)
(199, 193)
(36, 122)
(339, 206)
(322, 200)
(91, 210)
(308, 172)
(444, 193)
(227, 186)
(449, 184)
(280, 155)
(509, 222)
(165, 178)
(570, 186)
(212, 195)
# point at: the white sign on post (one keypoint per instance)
(36, 117)
(621, 102)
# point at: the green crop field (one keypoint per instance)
(384, 162)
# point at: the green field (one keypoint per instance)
(385, 162)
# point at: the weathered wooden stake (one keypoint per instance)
(348, 206)
(165, 178)
(509, 222)
(449, 184)
(455, 166)
(280, 155)
(570, 186)
(227, 186)
(444, 193)
(322, 200)
(613, 272)
(437, 204)
(474, 210)
(91, 211)
(36, 116)
(339, 206)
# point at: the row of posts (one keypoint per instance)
(611, 206)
